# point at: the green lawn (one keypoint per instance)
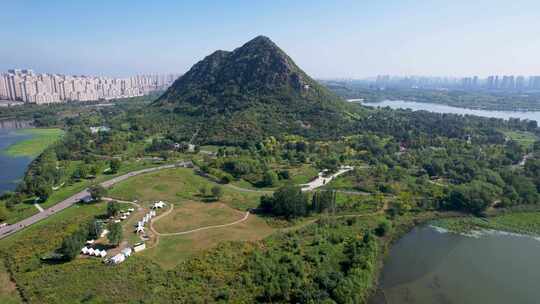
(526, 139)
(33, 146)
(177, 185)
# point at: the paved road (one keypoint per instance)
(321, 180)
(9, 230)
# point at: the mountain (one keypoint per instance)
(252, 92)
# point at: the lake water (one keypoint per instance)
(427, 266)
(11, 168)
(439, 108)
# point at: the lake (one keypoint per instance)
(11, 168)
(428, 266)
(440, 108)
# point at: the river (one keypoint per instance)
(440, 108)
(11, 168)
(428, 266)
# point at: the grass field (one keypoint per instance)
(174, 249)
(177, 185)
(8, 289)
(32, 147)
(526, 139)
(191, 215)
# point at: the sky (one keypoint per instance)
(328, 39)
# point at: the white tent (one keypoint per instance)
(90, 251)
(159, 204)
(84, 250)
(103, 253)
(153, 212)
(97, 252)
(119, 258)
(131, 209)
(139, 229)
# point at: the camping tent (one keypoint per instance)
(103, 253)
(97, 252)
(126, 252)
(90, 251)
(84, 250)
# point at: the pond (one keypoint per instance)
(440, 108)
(11, 168)
(430, 266)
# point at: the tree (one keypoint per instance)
(115, 234)
(113, 208)
(288, 201)
(270, 178)
(384, 227)
(114, 165)
(97, 192)
(217, 192)
(43, 191)
(94, 229)
(203, 190)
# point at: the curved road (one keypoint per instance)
(11, 229)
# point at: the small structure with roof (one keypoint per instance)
(127, 252)
(139, 247)
(158, 205)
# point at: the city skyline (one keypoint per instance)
(24, 85)
(343, 39)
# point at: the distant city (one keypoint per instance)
(496, 83)
(30, 87)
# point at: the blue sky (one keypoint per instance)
(339, 38)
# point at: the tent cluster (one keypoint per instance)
(146, 219)
(93, 252)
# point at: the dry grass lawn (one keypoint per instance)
(172, 250)
(191, 215)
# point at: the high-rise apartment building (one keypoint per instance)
(26, 86)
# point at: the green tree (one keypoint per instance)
(115, 165)
(288, 201)
(115, 234)
(113, 208)
(97, 192)
(270, 178)
(43, 191)
(217, 192)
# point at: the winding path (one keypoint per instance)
(75, 198)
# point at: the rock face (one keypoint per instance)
(255, 88)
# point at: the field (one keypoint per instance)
(32, 147)
(177, 185)
(8, 291)
(191, 215)
(526, 139)
(174, 249)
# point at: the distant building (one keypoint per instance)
(26, 86)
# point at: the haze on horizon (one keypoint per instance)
(328, 39)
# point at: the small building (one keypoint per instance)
(90, 242)
(104, 233)
(97, 252)
(139, 247)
